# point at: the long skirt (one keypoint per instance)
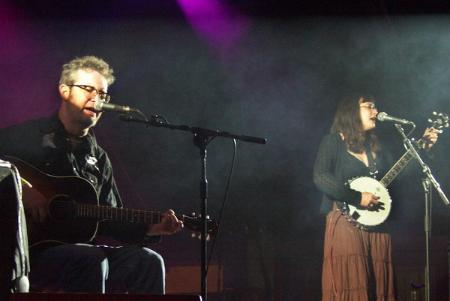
(357, 264)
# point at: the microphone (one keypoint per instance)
(383, 116)
(101, 106)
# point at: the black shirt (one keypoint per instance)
(45, 144)
(334, 166)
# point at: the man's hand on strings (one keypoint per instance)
(169, 224)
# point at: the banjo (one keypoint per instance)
(366, 218)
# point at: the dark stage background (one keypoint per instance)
(264, 68)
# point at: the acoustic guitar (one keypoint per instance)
(66, 209)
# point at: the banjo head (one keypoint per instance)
(364, 216)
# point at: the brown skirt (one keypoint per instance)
(357, 264)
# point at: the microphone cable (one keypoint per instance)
(224, 201)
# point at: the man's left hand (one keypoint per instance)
(169, 224)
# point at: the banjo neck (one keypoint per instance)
(439, 121)
(398, 167)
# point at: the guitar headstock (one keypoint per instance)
(439, 121)
(194, 223)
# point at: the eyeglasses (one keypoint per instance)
(102, 95)
(368, 105)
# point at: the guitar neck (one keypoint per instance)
(123, 215)
(397, 168)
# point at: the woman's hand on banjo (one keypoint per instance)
(369, 200)
(430, 137)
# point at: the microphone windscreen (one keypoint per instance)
(98, 106)
(381, 116)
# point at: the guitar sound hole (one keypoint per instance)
(61, 208)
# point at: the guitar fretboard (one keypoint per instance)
(117, 214)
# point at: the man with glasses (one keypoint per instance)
(64, 145)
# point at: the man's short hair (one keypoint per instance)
(88, 62)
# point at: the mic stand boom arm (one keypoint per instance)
(158, 121)
(202, 137)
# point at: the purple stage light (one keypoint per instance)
(220, 24)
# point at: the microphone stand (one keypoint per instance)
(201, 139)
(427, 180)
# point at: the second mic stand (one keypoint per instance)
(201, 142)
(427, 181)
(202, 137)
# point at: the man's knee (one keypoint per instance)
(152, 258)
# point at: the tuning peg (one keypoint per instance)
(193, 214)
(199, 236)
(438, 114)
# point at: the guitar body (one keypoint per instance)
(364, 217)
(49, 206)
(65, 209)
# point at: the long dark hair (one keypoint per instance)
(347, 121)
